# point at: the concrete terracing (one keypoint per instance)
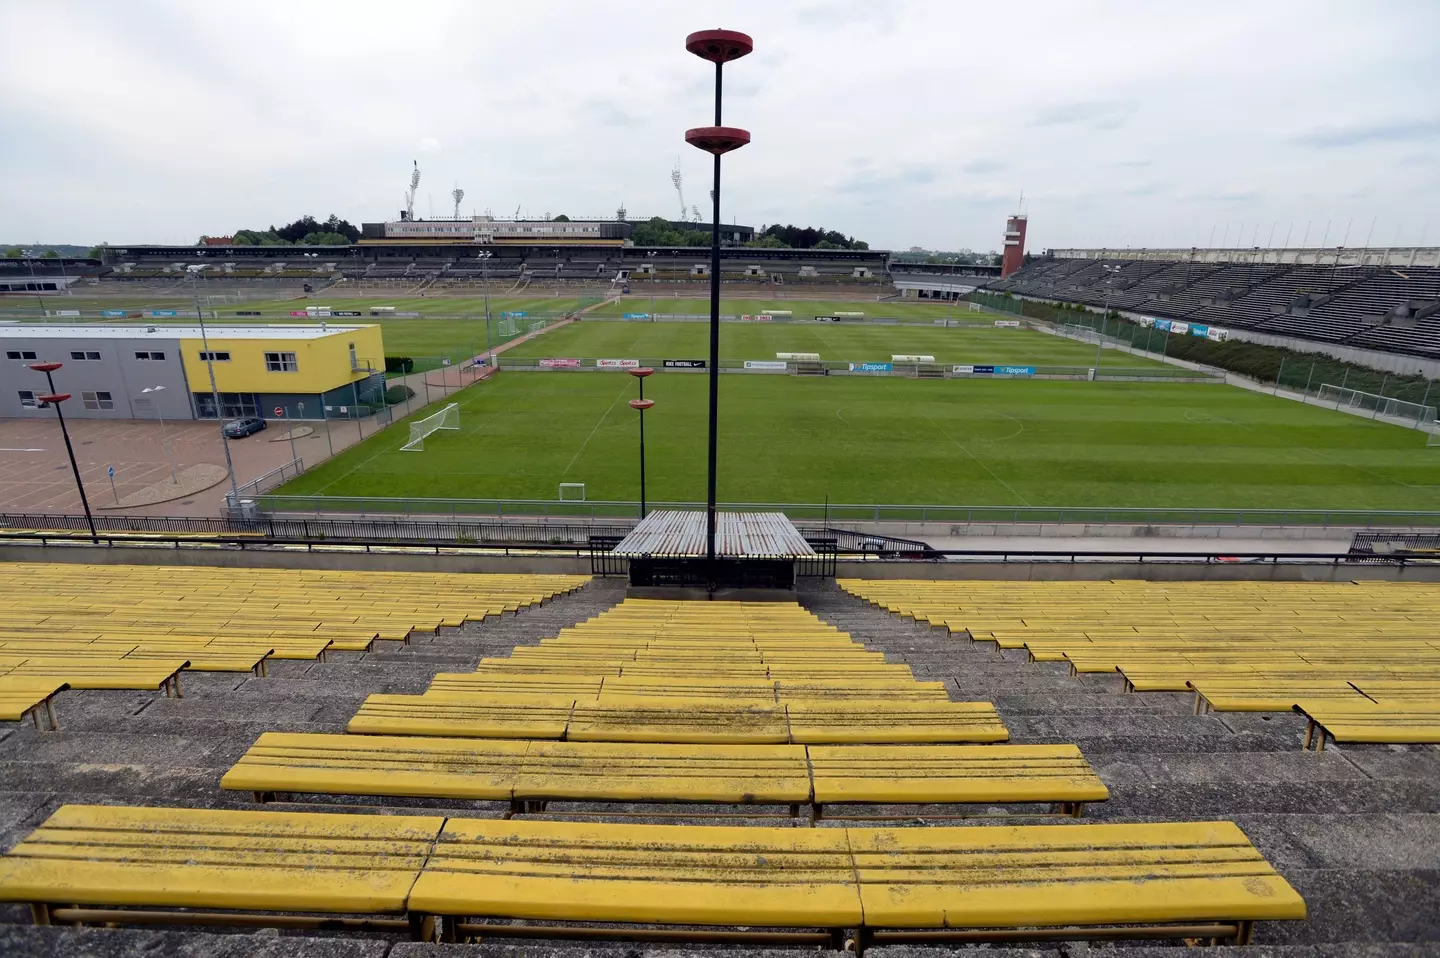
(1355, 829)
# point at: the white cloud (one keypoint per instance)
(1125, 122)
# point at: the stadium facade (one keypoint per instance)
(334, 371)
(489, 231)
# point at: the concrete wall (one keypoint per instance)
(117, 372)
(337, 561)
(1147, 571)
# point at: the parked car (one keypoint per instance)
(240, 428)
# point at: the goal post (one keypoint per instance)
(1422, 416)
(447, 418)
(572, 492)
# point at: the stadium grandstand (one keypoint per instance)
(1379, 299)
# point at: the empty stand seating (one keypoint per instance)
(1338, 303)
(138, 627)
(1326, 648)
(398, 872)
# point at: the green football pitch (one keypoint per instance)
(1011, 442)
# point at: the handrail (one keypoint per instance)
(583, 550)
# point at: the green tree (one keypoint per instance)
(562, 218)
(14, 252)
(767, 242)
(49, 254)
(324, 239)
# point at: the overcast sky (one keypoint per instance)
(918, 123)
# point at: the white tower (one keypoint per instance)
(410, 196)
(457, 194)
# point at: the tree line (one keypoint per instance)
(306, 231)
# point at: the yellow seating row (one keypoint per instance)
(1203, 879)
(653, 719)
(523, 771)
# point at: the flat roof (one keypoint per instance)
(173, 331)
(756, 535)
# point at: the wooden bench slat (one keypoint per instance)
(819, 722)
(436, 714)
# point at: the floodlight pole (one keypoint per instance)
(1100, 339)
(717, 46)
(55, 399)
(215, 395)
(485, 285)
(640, 405)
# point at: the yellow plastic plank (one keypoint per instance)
(171, 857)
(679, 720)
(1048, 875)
(462, 716)
(664, 874)
(953, 773)
(378, 765)
(653, 772)
(817, 722)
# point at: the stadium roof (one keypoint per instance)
(753, 535)
(172, 331)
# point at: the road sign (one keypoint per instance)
(280, 412)
(110, 471)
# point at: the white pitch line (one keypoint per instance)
(22, 450)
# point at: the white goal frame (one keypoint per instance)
(571, 487)
(1422, 416)
(447, 418)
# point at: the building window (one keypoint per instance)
(213, 357)
(79, 356)
(280, 363)
(148, 355)
(97, 400)
(233, 405)
(19, 354)
(28, 400)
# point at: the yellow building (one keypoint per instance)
(299, 369)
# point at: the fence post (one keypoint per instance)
(1279, 373)
(1383, 383)
(1309, 378)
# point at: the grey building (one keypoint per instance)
(105, 371)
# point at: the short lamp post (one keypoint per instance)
(164, 440)
(640, 405)
(1110, 272)
(52, 398)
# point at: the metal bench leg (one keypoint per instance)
(1244, 932)
(817, 812)
(40, 913)
(448, 932)
(1198, 701)
(50, 714)
(1320, 745)
(422, 926)
(176, 680)
(1309, 733)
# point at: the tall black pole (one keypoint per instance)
(74, 467)
(714, 336)
(642, 449)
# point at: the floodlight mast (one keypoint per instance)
(414, 185)
(717, 46)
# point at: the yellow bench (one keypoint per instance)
(469, 716)
(21, 696)
(178, 858)
(1366, 721)
(1200, 880)
(821, 722)
(530, 773)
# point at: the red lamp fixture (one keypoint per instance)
(49, 398)
(719, 46)
(642, 372)
(45, 367)
(717, 139)
(641, 404)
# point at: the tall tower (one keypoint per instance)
(1014, 255)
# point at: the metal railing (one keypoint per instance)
(241, 542)
(280, 474)
(374, 530)
(840, 512)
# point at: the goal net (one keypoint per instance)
(1422, 416)
(447, 418)
(572, 492)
